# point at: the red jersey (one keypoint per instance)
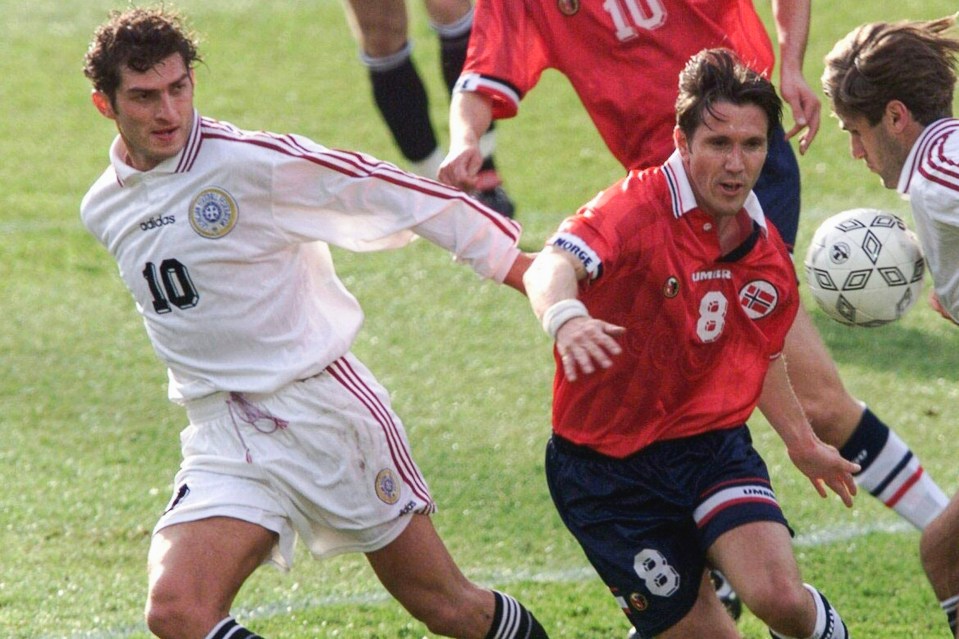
(623, 58)
(701, 328)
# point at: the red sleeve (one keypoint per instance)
(506, 56)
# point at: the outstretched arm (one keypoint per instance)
(792, 28)
(470, 116)
(583, 342)
(818, 461)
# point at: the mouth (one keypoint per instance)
(165, 136)
(731, 188)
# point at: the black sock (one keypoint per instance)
(512, 621)
(402, 101)
(230, 629)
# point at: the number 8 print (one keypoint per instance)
(657, 575)
(712, 316)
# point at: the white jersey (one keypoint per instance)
(930, 178)
(225, 248)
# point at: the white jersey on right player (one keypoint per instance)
(930, 179)
(209, 241)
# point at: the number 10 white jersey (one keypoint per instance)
(225, 249)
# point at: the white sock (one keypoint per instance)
(429, 166)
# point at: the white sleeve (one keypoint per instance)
(936, 212)
(476, 236)
(356, 202)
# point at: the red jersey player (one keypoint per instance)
(669, 298)
(622, 58)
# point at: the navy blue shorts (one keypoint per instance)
(645, 522)
(778, 188)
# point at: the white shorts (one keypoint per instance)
(324, 458)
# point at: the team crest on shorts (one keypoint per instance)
(638, 602)
(387, 487)
(568, 7)
(758, 298)
(213, 213)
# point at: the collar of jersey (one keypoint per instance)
(683, 200)
(175, 164)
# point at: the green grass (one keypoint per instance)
(90, 442)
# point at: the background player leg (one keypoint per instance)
(419, 572)
(940, 559)
(195, 570)
(708, 618)
(890, 470)
(382, 30)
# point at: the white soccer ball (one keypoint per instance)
(864, 267)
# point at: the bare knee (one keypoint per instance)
(465, 613)
(380, 28)
(784, 606)
(447, 11)
(171, 612)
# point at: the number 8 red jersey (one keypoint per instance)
(701, 327)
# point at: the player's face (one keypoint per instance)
(724, 156)
(153, 111)
(877, 147)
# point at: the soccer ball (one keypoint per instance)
(864, 267)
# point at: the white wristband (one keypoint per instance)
(560, 313)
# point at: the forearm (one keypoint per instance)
(778, 403)
(792, 28)
(551, 278)
(470, 116)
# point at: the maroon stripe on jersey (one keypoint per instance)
(938, 168)
(192, 148)
(391, 173)
(356, 165)
(342, 372)
(926, 142)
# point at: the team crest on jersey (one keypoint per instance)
(568, 7)
(758, 298)
(387, 487)
(671, 287)
(213, 213)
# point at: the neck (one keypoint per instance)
(732, 230)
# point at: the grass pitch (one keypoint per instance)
(90, 443)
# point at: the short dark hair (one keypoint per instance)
(138, 38)
(718, 75)
(876, 63)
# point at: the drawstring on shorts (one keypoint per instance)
(243, 410)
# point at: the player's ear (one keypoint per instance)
(897, 115)
(681, 141)
(102, 102)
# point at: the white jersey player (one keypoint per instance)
(891, 86)
(222, 236)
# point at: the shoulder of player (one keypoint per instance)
(939, 147)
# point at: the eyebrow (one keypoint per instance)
(136, 89)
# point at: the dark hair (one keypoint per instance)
(138, 38)
(912, 62)
(718, 75)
